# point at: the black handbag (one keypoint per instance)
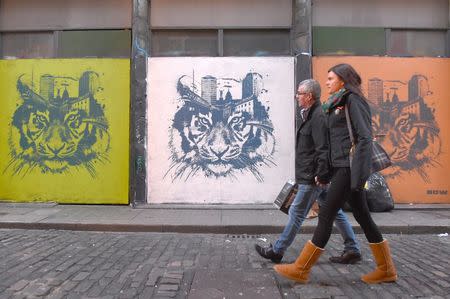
(380, 159)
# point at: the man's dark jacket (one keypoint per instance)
(312, 148)
(340, 143)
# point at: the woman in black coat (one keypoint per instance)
(344, 87)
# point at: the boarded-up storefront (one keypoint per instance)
(221, 130)
(410, 105)
(64, 130)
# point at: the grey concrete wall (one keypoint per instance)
(381, 13)
(221, 13)
(20, 15)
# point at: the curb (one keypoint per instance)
(400, 207)
(214, 229)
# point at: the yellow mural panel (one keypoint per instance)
(64, 130)
(410, 105)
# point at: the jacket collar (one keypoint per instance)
(311, 109)
(309, 113)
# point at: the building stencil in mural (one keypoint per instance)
(58, 127)
(411, 133)
(220, 128)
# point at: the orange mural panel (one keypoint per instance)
(410, 101)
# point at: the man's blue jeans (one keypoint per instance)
(298, 211)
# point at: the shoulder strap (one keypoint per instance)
(349, 125)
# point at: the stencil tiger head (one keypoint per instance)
(412, 144)
(218, 146)
(54, 138)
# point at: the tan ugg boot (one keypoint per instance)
(385, 270)
(300, 269)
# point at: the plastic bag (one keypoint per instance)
(379, 197)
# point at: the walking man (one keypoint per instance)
(312, 176)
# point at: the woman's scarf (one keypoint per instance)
(333, 100)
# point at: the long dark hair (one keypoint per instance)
(351, 79)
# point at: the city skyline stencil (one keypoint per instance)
(411, 133)
(60, 128)
(220, 128)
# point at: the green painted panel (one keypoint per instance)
(349, 41)
(94, 43)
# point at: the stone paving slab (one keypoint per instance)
(233, 284)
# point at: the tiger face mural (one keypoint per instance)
(410, 132)
(58, 134)
(220, 137)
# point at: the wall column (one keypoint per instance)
(448, 31)
(138, 106)
(301, 39)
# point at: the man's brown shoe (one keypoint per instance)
(349, 257)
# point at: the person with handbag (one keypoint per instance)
(312, 165)
(344, 87)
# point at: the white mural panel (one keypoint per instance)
(221, 130)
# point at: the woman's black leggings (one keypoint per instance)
(338, 192)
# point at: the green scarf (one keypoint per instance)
(333, 100)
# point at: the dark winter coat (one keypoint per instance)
(312, 148)
(339, 138)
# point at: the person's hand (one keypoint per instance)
(318, 183)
